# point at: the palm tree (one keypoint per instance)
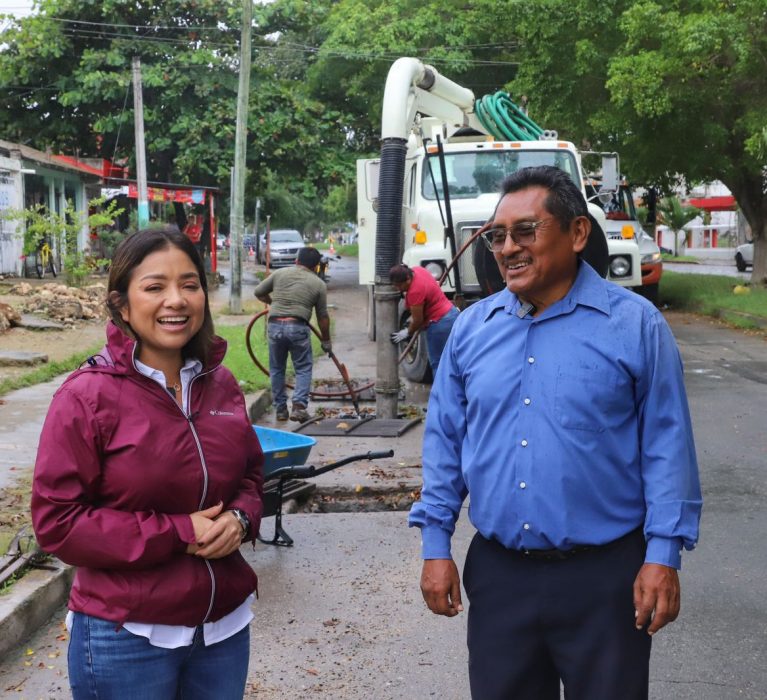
(676, 215)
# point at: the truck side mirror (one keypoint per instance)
(610, 173)
(372, 172)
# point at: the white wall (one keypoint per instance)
(11, 197)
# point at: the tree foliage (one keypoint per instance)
(678, 88)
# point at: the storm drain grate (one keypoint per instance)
(366, 427)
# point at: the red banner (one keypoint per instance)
(160, 194)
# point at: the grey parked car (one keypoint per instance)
(284, 244)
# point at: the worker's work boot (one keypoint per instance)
(282, 413)
(299, 413)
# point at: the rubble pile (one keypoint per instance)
(8, 317)
(62, 303)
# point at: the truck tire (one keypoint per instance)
(740, 262)
(416, 365)
(649, 292)
(489, 277)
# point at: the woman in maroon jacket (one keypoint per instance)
(148, 477)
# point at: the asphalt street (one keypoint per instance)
(340, 614)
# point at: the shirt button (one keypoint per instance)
(526, 526)
(531, 360)
(527, 402)
(522, 485)
(524, 443)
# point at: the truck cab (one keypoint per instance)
(475, 166)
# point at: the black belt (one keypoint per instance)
(563, 554)
(287, 319)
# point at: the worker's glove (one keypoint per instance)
(327, 346)
(400, 336)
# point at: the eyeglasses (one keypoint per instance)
(522, 233)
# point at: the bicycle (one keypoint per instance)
(44, 261)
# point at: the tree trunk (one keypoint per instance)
(759, 274)
(749, 192)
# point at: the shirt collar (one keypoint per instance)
(190, 370)
(589, 289)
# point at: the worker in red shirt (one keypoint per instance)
(429, 308)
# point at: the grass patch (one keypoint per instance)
(350, 251)
(712, 295)
(48, 371)
(670, 257)
(237, 359)
(14, 510)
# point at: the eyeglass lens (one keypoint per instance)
(523, 234)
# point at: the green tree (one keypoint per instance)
(678, 88)
(676, 216)
(68, 79)
(69, 68)
(60, 231)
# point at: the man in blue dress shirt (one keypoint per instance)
(560, 408)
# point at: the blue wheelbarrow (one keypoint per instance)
(285, 456)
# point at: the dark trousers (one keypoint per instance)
(533, 622)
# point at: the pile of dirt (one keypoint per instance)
(8, 317)
(62, 303)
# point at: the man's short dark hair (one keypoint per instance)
(309, 257)
(565, 201)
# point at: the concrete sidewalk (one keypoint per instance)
(328, 546)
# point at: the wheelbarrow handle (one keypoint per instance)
(312, 471)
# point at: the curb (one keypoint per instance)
(260, 403)
(31, 602)
(758, 321)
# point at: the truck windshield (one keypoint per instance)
(620, 207)
(473, 173)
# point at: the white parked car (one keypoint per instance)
(744, 256)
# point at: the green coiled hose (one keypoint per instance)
(504, 120)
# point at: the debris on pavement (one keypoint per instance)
(63, 303)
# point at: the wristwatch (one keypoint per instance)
(243, 520)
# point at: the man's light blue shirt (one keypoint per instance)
(570, 428)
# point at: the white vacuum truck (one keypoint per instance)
(437, 182)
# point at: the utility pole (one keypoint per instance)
(256, 217)
(138, 121)
(237, 208)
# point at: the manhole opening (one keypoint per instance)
(353, 501)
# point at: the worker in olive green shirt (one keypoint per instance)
(292, 293)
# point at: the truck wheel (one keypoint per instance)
(488, 275)
(371, 315)
(416, 365)
(740, 263)
(649, 292)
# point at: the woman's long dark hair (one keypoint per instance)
(130, 254)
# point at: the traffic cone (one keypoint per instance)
(332, 250)
(251, 252)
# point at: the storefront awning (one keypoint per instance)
(723, 203)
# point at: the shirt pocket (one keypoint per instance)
(587, 399)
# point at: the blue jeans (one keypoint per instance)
(107, 663)
(436, 337)
(293, 339)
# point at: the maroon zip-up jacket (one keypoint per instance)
(120, 468)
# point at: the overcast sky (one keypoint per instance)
(20, 8)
